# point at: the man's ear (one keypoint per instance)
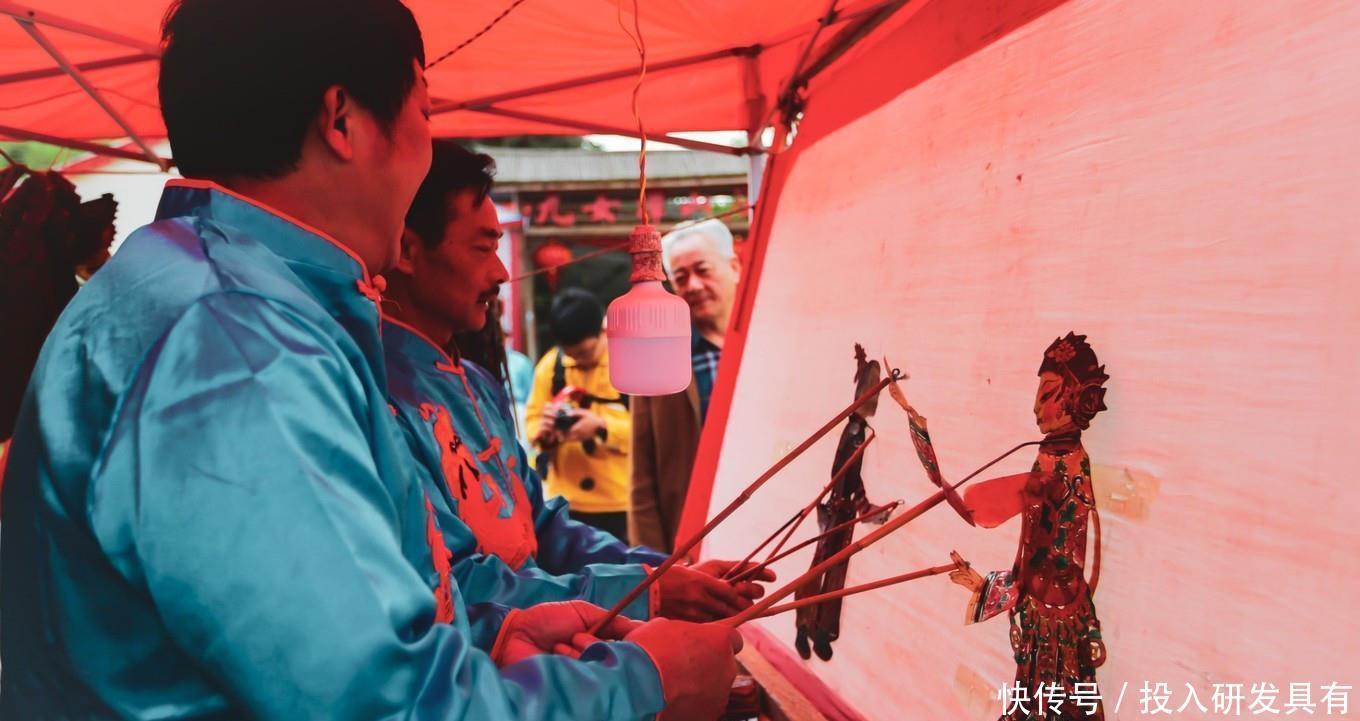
(335, 122)
(410, 247)
(736, 265)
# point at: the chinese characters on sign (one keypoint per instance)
(569, 209)
(1221, 700)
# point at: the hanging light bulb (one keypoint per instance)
(648, 327)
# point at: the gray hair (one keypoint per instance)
(719, 238)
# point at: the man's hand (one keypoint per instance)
(558, 628)
(587, 426)
(696, 663)
(698, 592)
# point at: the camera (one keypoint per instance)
(564, 419)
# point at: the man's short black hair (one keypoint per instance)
(574, 316)
(241, 80)
(453, 169)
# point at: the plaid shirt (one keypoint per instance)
(704, 357)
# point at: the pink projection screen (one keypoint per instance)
(1175, 180)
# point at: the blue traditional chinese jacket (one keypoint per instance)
(509, 546)
(210, 514)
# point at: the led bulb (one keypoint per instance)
(649, 328)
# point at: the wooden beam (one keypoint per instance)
(783, 700)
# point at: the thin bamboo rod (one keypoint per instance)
(800, 515)
(752, 570)
(879, 534)
(851, 591)
(681, 551)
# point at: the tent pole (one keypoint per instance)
(755, 98)
(88, 147)
(749, 51)
(846, 39)
(789, 102)
(594, 128)
(26, 14)
(89, 89)
(91, 65)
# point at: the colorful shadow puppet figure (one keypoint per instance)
(820, 624)
(1055, 634)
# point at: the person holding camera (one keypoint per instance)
(579, 423)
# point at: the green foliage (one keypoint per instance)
(39, 156)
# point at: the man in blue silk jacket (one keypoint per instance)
(209, 512)
(509, 546)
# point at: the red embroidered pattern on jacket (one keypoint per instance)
(506, 534)
(442, 557)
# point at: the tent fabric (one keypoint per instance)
(538, 43)
(918, 50)
(1174, 180)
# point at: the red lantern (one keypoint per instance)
(552, 255)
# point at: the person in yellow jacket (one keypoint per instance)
(579, 423)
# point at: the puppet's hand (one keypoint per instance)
(963, 574)
(559, 628)
(879, 515)
(895, 391)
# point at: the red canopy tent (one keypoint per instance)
(1175, 179)
(76, 71)
(79, 73)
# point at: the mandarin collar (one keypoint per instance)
(291, 239)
